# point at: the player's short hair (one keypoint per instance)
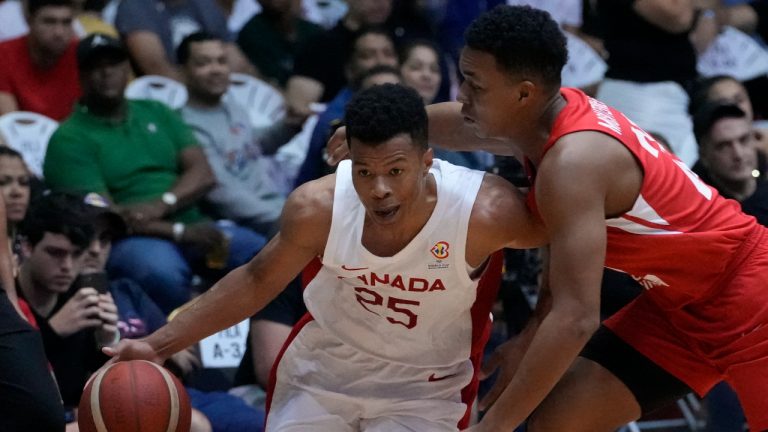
(183, 51)
(35, 5)
(58, 213)
(379, 113)
(523, 40)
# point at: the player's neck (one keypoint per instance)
(532, 140)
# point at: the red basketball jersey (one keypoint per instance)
(679, 237)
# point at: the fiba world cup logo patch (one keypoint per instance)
(440, 250)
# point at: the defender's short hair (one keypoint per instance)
(379, 113)
(522, 40)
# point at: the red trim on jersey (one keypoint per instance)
(307, 318)
(487, 292)
(310, 271)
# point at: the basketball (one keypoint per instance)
(134, 396)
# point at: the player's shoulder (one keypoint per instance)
(312, 200)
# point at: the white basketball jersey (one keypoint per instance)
(412, 308)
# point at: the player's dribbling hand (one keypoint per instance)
(337, 148)
(132, 349)
(506, 358)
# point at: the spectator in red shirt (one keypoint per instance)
(39, 72)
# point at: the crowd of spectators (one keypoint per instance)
(159, 202)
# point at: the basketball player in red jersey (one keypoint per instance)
(609, 195)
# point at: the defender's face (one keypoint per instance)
(54, 262)
(729, 151)
(389, 178)
(487, 95)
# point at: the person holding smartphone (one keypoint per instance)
(75, 320)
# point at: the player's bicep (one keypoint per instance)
(304, 227)
(574, 213)
(501, 218)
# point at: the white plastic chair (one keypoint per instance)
(28, 133)
(159, 88)
(265, 104)
(325, 13)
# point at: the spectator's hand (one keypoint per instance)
(185, 361)
(107, 334)
(295, 117)
(506, 358)
(203, 235)
(80, 312)
(337, 148)
(140, 213)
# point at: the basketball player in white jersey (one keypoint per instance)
(395, 309)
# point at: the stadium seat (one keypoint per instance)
(159, 88)
(264, 103)
(28, 133)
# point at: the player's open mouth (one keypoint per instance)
(386, 213)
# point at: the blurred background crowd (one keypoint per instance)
(147, 147)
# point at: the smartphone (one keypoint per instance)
(98, 281)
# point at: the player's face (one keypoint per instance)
(14, 185)
(50, 29)
(207, 71)
(729, 152)
(487, 95)
(389, 178)
(421, 72)
(54, 263)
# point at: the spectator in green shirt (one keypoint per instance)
(143, 157)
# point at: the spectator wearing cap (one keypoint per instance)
(139, 316)
(143, 158)
(74, 321)
(38, 72)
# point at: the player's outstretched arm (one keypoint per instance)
(574, 214)
(304, 231)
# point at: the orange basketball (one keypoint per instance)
(134, 396)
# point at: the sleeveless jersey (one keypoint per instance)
(415, 307)
(679, 238)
